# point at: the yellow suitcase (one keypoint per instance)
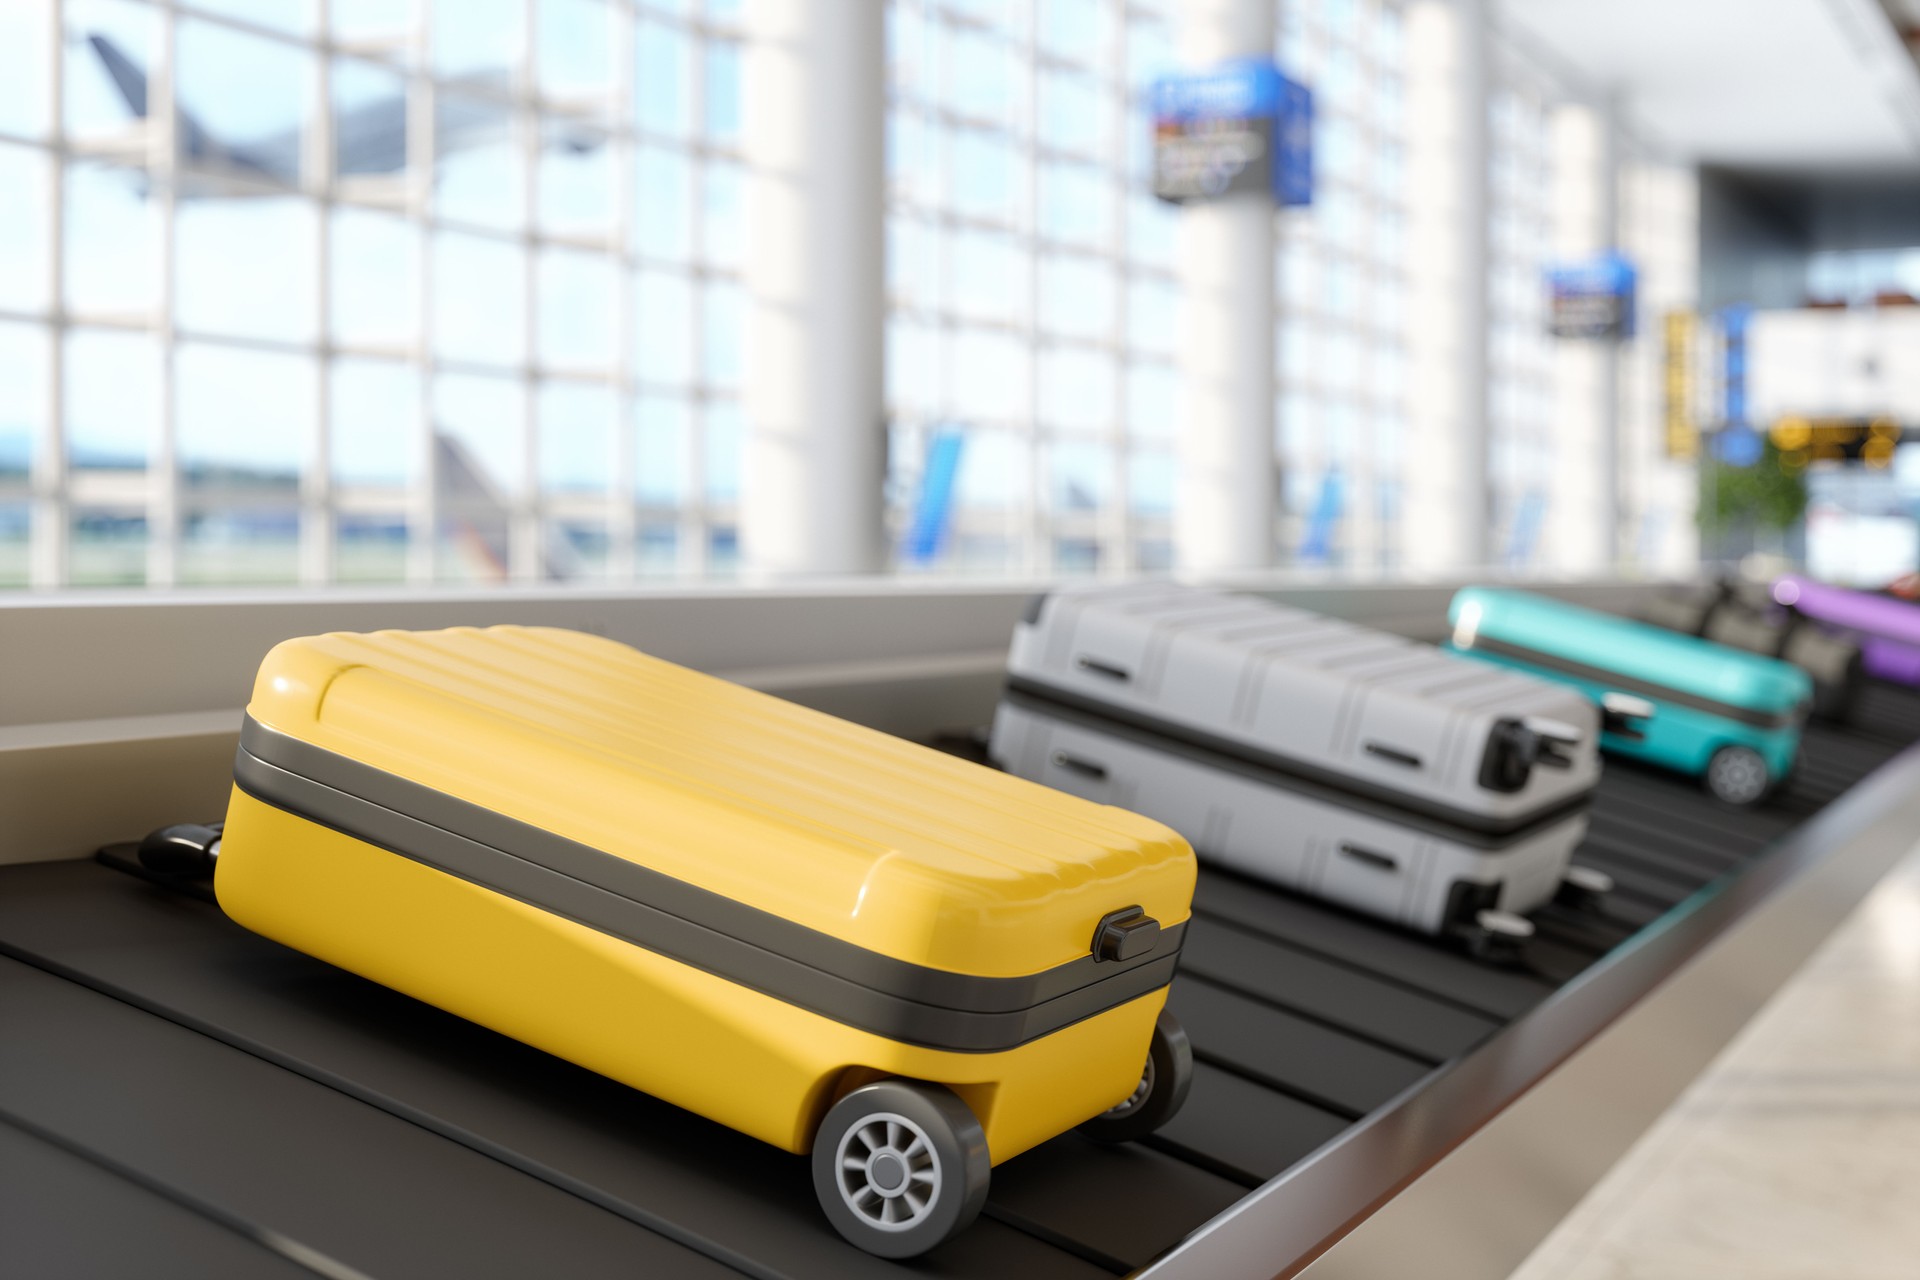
(836, 941)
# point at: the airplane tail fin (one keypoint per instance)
(128, 78)
(195, 140)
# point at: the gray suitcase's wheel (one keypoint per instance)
(1498, 935)
(900, 1166)
(1738, 775)
(1161, 1092)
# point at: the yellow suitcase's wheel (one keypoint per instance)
(899, 1166)
(1162, 1089)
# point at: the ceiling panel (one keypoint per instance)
(1800, 86)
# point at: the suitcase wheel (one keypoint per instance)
(1584, 888)
(187, 850)
(1738, 775)
(1498, 935)
(1162, 1089)
(900, 1166)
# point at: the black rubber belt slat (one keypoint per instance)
(1303, 1058)
(62, 1215)
(1384, 1012)
(1369, 946)
(1676, 806)
(724, 1193)
(190, 1112)
(1623, 912)
(1245, 1128)
(1555, 958)
(1624, 830)
(1087, 1197)
(1586, 931)
(1637, 875)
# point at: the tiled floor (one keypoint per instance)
(1797, 1155)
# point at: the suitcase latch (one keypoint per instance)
(1125, 934)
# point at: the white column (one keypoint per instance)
(1446, 514)
(1223, 515)
(814, 118)
(47, 545)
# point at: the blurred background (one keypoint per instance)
(368, 291)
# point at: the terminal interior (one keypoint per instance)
(1441, 467)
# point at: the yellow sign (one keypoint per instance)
(1683, 432)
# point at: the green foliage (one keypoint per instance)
(1770, 494)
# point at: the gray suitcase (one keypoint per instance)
(1743, 616)
(1377, 714)
(1314, 839)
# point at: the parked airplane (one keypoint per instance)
(370, 138)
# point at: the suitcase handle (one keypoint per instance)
(1392, 754)
(1085, 768)
(1099, 668)
(1372, 857)
(1516, 747)
(1624, 715)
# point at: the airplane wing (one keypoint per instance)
(369, 138)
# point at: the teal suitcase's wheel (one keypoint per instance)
(1738, 775)
(1162, 1089)
(900, 1166)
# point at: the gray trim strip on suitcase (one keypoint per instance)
(889, 997)
(1236, 749)
(1050, 711)
(1627, 684)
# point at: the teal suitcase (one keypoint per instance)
(1730, 718)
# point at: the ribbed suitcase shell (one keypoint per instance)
(570, 769)
(1833, 662)
(1887, 629)
(1315, 840)
(1707, 695)
(1342, 703)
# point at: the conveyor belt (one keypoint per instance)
(218, 1104)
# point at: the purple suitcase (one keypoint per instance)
(1888, 630)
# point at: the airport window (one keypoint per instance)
(1342, 272)
(439, 293)
(1030, 279)
(1520, 391)
(453, 293)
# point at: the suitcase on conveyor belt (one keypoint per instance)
(817, 934)
(1361, 709)
(1731, 718)
(1314, 839)
(1886, 628)
(1726, 615)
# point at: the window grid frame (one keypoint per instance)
(1031, 525)
(58, 493)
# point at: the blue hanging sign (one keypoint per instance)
(1240, 128)
(1592, 299)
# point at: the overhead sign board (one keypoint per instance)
(1869, 440)
(1242, 128)
(1593, 298)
